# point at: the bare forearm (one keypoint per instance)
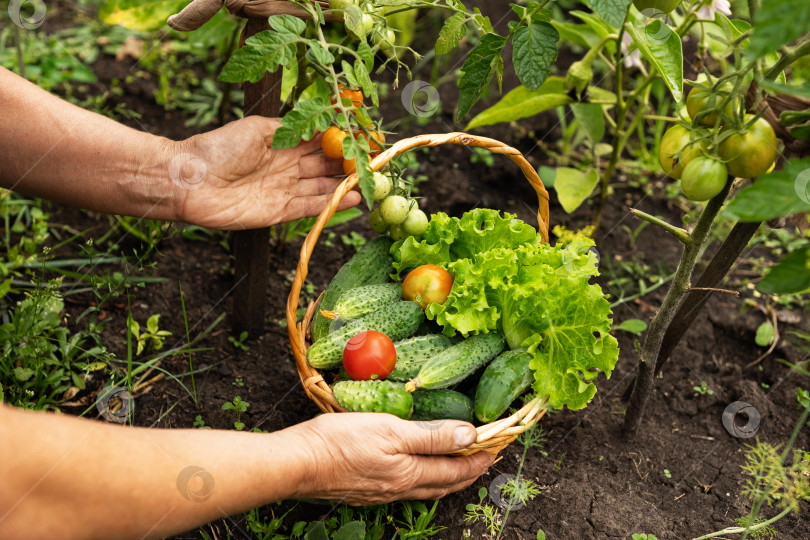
(65, 475)
(55, 150)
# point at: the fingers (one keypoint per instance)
(433, 493)
(437, 437)
(443, 471)
(316, 186)
(312, 165)
(313, 205)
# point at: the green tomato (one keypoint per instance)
(394, 209)
(384, 40)
(416, 223)
(382, 186)
(703, 178)
(396, 232)
(378, 225)
(752, 153)
(366, 25)
(677, 139)
(341, 4)
(701, 100)
(661, 5)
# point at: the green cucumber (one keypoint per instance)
(441, 404)
(371, 264)
(397, 321)
(503, 381)
(458, 362)
(361, 300)
(374, 396)
(413, 353)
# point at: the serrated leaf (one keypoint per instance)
(574, 186)
(661, 46)
(348, 70)
(318, 55)
(765, 334)
(591, 120)
(365, 52)
(302, 122)
(353, 19)
(22, 374)
(522, 103)
(775, 194)
(139, 14)
(790, 276)
(776, 23)
(364, 80)
(266, 51)
(287, 23)
(481, 64)
(612, 12)
(534, 49)
(452, 32)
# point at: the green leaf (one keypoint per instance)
(633, 326)
(354, 530)
(522, 103)
(574, 186)
(790, 276)
(482, 63)
(600, 28)
(152, 323)
(316, 531)
(139, 14)
(534, 49)
(302, 122)
(765, 334)
(578, 34)
(591, 120)
(363, 78)
(662, 48)
(266, 51)
(776, 23)
(365, 178)
(775, 194)
(22, 374)
(776, 88)
(365, 52)
(287, 23)
(612, 12)
(452, 32)
(317, 54)
(541, 535)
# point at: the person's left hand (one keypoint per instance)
(230, 178)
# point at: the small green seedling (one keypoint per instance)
(667, 473)
(200, 423)
(240, 342)
(703, 389)
(239, 407)
(152, 338)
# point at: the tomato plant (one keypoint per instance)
(427, 284)
(752, 152)
(369, 355)
(677, 149)
(703, 178)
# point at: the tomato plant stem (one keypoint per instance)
(645, 378)
(680, 234)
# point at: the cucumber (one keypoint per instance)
(503, 381)
(397, 321)
(413, 353)
(458, 362)
(371, 264)
(361, 300)
(441, 404)
(374, 396)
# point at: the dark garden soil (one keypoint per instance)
(679, 479)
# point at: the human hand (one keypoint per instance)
(230, 178)
(364, 458)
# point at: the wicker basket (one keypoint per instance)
(492, 437)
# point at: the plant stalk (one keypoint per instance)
(738, 530)
(677, 232)
(645, 379)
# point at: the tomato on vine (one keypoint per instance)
(703, 178)
(416, 223)
(394, 209)
(678, 140)
(382, 186)
(349, 97)
(751, 153)
(332, 142)
(700, 100)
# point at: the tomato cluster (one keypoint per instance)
(332, 140)
(703, 155)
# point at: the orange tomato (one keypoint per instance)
(372, 142)
(348, 95)
(349, 166)
(332, 142)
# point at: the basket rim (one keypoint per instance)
(492, 437)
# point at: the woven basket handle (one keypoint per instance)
(297, 339)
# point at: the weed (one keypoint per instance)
(152, 338)
(486, 513)
(239, 342)
(238, 406)
(703, 389)
(238, 382)
(667, 473)
(355, 239)
(200, 423)
(417, 527)
(520, 491)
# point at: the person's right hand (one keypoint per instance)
(366, 458)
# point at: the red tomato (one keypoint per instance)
(427, 284)
(369, 355)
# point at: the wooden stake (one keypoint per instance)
(252, 248)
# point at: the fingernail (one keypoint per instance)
(464, 436)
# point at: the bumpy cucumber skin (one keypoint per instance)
(371, 264)
(459, 361)
(508, 376)
(397, 321)
(374, 396)
(441, 404)
(413, 353)
(361, 300)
